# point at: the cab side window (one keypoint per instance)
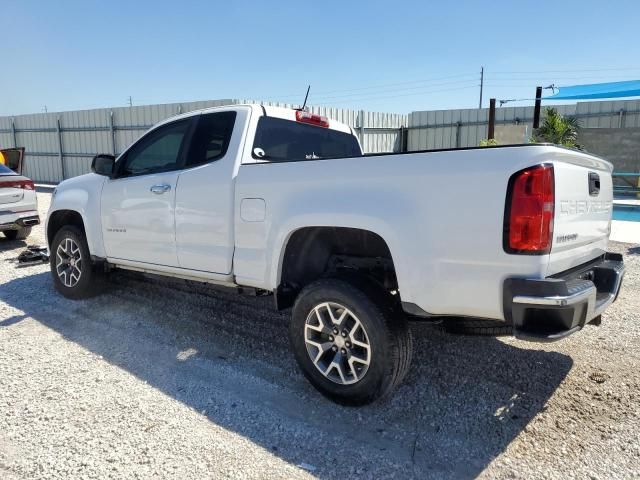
(211, 138)
(159, 151)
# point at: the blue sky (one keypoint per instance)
(377, 55)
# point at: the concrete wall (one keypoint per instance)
(621, 146)
(512, 134)
(466, 127)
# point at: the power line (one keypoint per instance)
(571, 71)
(399, 95)
(520, 82)
(466, 76)
(393, 90)
(557, 78)
(373, 87)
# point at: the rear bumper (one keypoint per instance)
(553, 308)
(15, 220)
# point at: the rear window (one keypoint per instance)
(6, 170)
(281, 140)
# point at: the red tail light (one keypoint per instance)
(528, 218)
(312, 119)
(23, 184)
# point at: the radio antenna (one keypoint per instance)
(305, 98)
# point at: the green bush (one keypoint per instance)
(557, 129)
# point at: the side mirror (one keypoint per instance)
(103, 165)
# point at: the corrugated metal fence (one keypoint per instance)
(466, 128)
(61, 145)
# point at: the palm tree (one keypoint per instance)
(558, 129)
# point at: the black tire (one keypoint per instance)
(20, 234)
(477, 327)
(90, 281)
(386, 328)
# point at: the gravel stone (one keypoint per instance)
(158, 378)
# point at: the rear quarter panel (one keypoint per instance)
(441, 214)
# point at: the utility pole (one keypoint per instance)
(492, 119)
(45, 109)
(130, 101)
(481, 85)
(536, 108)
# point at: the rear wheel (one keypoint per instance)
(353, 347)
(74, 274)
(20, 234)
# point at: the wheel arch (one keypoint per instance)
(311, 252)
(60, 218)
(78, 199)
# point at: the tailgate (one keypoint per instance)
(584, 201)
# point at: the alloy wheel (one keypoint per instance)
(337, 343)
(68, 262)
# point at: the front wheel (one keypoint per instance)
(74, 274)
(351, 345)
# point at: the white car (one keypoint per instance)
(282, 202)
(18, 205)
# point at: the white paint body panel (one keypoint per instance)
(137, 224)
(17, 203)
(82, 195)
(446, 248)
(10, 196)
(440, 213)
(578, 214)
(205, 206)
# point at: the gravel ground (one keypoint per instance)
(160, 379)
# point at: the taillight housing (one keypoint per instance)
(24, 184)
(528, 219)
(312, 119)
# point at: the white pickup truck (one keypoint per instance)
(283, 202)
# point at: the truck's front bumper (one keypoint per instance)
(555, 307)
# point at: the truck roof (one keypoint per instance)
(268, 110)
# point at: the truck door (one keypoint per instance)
(205, 195)
(138, 204)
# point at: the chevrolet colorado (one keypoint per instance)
(283, 202)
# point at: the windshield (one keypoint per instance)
(281, 140)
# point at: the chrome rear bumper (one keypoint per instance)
(555, 307)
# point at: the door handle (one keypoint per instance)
(160, 189)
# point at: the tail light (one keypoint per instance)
(312, 119)
(528, 220)
(25, 184)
